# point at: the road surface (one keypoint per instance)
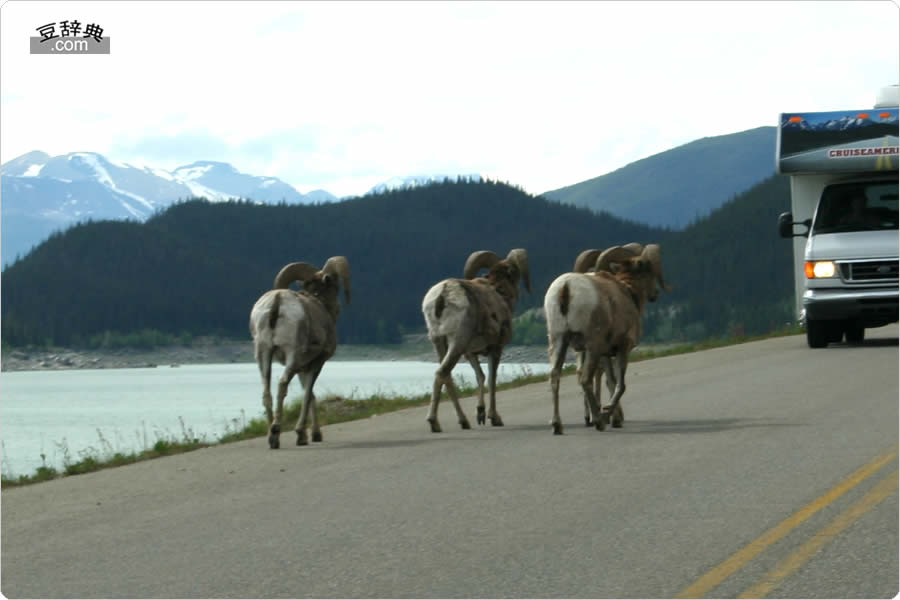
(764, 469)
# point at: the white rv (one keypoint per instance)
(844, 172)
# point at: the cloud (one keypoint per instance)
(539, 94)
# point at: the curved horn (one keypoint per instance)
(297, 271)
(480, 259)
(338, 265)
(519, 256)
(586, 261)
(652, 253)
(590, 257)
(611, 255)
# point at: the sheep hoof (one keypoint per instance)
(480, 417)
(599, 424)
(496, 421)
(301, 438)
(435, 426)
(587, 421)
(557, 428)
(274, 432)
(465, 424)
(317, 436)
(605, 415)
(617, 424)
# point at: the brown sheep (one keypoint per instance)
(599, 314)
(299, 330)
(471, 317)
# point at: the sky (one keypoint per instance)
(342, 96)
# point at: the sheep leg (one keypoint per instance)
(493, 415)
(264, 360)
(607, 364)
(479, 377)
(440, 347)
(598, 385)
(275, 429)
(300, 428)
(448, 356)
(308, 379)
(614, 409)
(557, 353)
(441, 379)
(586, 379)
(579, 360)
(598, 378)
(454, 396)
(432, 417)
(618, 415)
(316, 432)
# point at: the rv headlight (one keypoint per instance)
(819, 269)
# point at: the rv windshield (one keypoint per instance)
(857, 207)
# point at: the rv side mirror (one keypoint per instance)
(786, 226)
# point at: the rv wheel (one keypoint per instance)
(855, 333)
(816, 333)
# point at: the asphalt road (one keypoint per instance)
(765, 469)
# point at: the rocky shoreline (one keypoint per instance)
(209, 351)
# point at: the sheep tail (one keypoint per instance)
(563, 298)
(273, 311)
(439, 306)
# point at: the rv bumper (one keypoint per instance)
(871, 307)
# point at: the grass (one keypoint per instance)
(94, 459)
(331, 409)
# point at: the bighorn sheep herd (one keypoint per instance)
(596, 309)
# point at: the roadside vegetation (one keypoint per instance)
(331, 409)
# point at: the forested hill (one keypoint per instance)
(732, 274)
(198, 267)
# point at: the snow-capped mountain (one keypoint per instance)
(220, 181)
(399, 183)
(43, 193)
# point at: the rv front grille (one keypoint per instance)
(869, 271)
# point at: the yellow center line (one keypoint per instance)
(739, 559)
(802, 555)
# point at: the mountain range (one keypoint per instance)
(42, 193)
(677, 187)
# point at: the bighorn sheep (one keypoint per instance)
(299, 330)
(471, 317)
(587, 261)
(599, 314)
